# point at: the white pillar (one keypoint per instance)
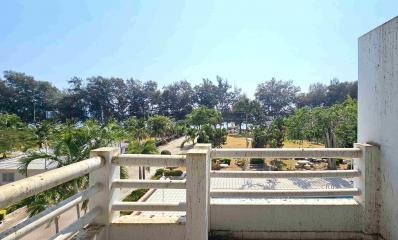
(378, 113)
(105, 198)
(369, 185)
(198, 162)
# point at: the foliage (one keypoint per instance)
(147, 147)
(216, 136)
(177, 100)
(26, 97)
(134, 196)
(105, 98)
(168, 172)
(276, 97)
(135, 128)
(3, 214)
(272, 136)
(241, 162)
(203, 115)
(72, 105)
(276, 133)
(70, 143)
(259, 137)
(322, 95)
(278, 164)
(159, 126)
(247, 111)
(257, 161)
(15, 135)
(165, 152)
(335, 126)
(225, 161)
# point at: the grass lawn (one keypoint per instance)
(235, 141)
(301, 144)
(238, 141)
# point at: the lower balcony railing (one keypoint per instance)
(303, 212)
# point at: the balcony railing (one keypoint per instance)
(297, 218)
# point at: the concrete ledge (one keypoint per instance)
(145, 219)
(286, 201)
(245, 235)
(148, 228)
(290, 215)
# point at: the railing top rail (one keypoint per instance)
(149, 160)
(285, 193)
(287, 152)
(25, 227)
(18, 190)
(286, 174)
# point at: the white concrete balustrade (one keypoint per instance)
(295, 214)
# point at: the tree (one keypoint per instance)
(177, 100)
(316, 96)
(216, 136)
(106, 98)
(206, 94)
(26, 97)
(339, 91)
(276, 97)
(276, 133)
(203, 115)
(159, 125)
(260, 138)
(247, 111)
(142, 98)
(14, 134)
(225, 97)
(70, 144)
(147, 147)
(335, 126)
(72, 105)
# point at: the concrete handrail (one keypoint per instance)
(286, 193)
(25, 227)
(149, 160)
(158, 184)
(287, 152)
(286, 174)
(16, 191)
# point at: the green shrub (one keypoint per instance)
(215, 164)
(241, 162)
(133, 197)
(3, 213)
(165, 152)
(225, 161)
(256, 161)
(167, 172)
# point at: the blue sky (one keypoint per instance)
(246, 42)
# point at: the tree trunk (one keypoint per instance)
(143, 173)
(76, 188)
(331, 143)
(56, 223)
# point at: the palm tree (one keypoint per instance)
(70, 144)
(147, 147)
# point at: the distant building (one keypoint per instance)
(9, 169)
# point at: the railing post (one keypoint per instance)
(369, 185)
(105, 198)
(198, 171)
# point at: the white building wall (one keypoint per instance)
(378, 113)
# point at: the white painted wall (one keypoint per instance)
(287, 216)
(378, 113)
